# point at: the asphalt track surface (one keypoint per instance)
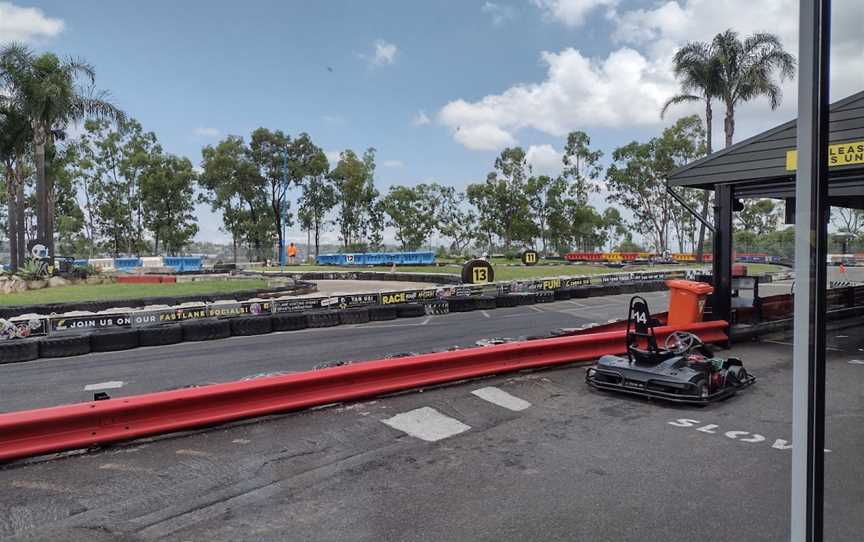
(574, 464)
(49, 382)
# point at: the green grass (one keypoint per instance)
(502, 272)
(764, 268)
(105, 292)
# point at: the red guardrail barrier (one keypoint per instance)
(69, 427)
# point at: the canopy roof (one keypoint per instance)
(762, 166)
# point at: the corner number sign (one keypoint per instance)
(477, 272)
(840, 154)
(529, 257)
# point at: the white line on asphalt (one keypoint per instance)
(104, 385)
(501, 398)
(535, 309)
(426, 321)
(856, 362)
(427, 424)
(484, 313)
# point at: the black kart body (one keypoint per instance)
(684, 371)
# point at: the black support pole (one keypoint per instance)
(811, 236)
(721, 301)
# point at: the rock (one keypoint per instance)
(94, 280)
(37, 284)
(54, 282)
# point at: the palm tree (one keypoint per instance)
(697, 67)
(14, 135)
(747, 71)
(46, 91)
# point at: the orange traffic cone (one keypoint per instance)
(842, 268)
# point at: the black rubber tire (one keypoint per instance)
(289, 321)
(354, 315)
(206, 329)
(170, 301)
(578, 292)
(251, 325)
(562, 294)
(485, 302)
(462, 304)
(434, 308)
(544, 296)
(64, 346)
(378, 313)
(160, 335)
(506, 300)
(525, 298)
(17, 350)
(410, 310)
(323, 318)
(113, 339)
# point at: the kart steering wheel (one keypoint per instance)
(680, 342)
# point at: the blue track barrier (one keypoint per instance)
(378, 258)
(127, 264)
(183, 264)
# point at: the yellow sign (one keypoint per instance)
(841, 154)
(480, 275)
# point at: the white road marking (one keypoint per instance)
(427, 424)
(856, 362)
(194, 453)
(535, 309)
(124, 468)
(501, 398)
(113, 384)
(241, 441)
(426, 321)
(842, 336)
(484, 313)
(779, 444)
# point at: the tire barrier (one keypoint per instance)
(436, 308)
(462, 304)
(410, 310)
(562, 294)
(357, 315)
(547, 296)
(251, 325)
(525, 298)
(112, 340)
(16, 351)
(206, 330)
(160, 336)
(84, 425)
(64, 346)
(289, 322)
(323, 318)
(485, 302)
(379, 313)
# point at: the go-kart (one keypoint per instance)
(684, 370)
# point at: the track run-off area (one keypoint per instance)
(527, 456)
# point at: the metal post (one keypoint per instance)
(721, 300)
(282, 255)
(811, 220)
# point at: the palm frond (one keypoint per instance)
(679, 99)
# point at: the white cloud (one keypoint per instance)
(544, 159)
(420, 118)
(621, 90)
(385, 53)
(26, 24)
(499, 13)
(627, 86)
(206, 132)
(571, 12)
(392, 163)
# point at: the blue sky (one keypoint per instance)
(437, 87)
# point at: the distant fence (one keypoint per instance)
(377, 258)
(180, 264)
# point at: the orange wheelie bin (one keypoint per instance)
(686, 300)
